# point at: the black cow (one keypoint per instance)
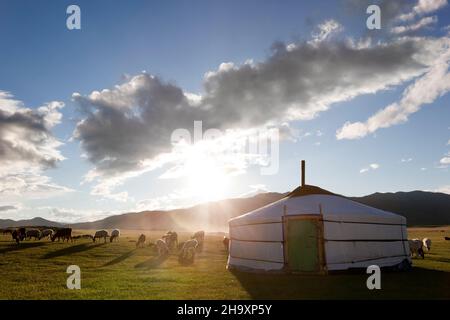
(64, 233)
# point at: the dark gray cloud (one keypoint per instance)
(134, 121)
(7, 208)
(25, 134)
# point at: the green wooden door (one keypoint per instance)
(302, 245)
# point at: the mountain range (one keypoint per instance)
(421, 208)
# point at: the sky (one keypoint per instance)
(164, 104)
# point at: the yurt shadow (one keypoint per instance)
(420, 283)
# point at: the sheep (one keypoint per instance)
(47, 233)
(162, 248)
(226, 242)
(114, 235)
(64, 233)
(187, 253)
(141, 241)
(100, 234)
(33, 233)
(415, 247)
(427, 243)
(200, 237)
(171, 239)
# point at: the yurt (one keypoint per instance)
(312, 230)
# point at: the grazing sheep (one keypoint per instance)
(200, 237)
(171, 239)
(187, 253)
(64, 233)
(47, 233)
(427, 244)
(33, 233)
(226, 242)
(162, 248)
(114, 235)
(141, 241)
(100, 234)
(415, 246)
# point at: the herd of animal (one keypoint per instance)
(168, 243)
(64, 234)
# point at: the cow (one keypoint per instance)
(33, 233)
(47, 233)
(114, 235)
(141, 241)
(64, 233)
(100, 234)
(200, 237)
(18, 234)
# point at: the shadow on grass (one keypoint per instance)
(151, 263)
(71, 250)
(21, 246)
(417, 284)
(120, 258)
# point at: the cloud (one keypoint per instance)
(423, 7)
(326, 29)
(372, 166)
(424, 90)
(8, 208)
(28, 147)
(443, 189)
(126, 127)
(416, 26)
(445, 160)
(406, 160)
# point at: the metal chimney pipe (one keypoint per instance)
(303, 173)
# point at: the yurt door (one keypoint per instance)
(302, 244)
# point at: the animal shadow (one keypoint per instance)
(71, 250)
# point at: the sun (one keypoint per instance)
(206, 179)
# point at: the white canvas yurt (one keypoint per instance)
(312, 230)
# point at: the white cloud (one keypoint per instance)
(27, 148)
(433, 84)
(406, 160)
(423, 7)
(416, 26)
(445, 160)
(372, 166)
(325, 30)
(443, 189)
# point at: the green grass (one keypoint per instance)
(37, 270)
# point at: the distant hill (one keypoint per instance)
(419, 207)
(5, 223)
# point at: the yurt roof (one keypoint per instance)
(308, 199)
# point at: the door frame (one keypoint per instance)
(318, 220)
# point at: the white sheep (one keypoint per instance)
(187, 253)
(162, 248)
(427, 243)
(415, 247)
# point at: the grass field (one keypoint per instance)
(37, 270)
